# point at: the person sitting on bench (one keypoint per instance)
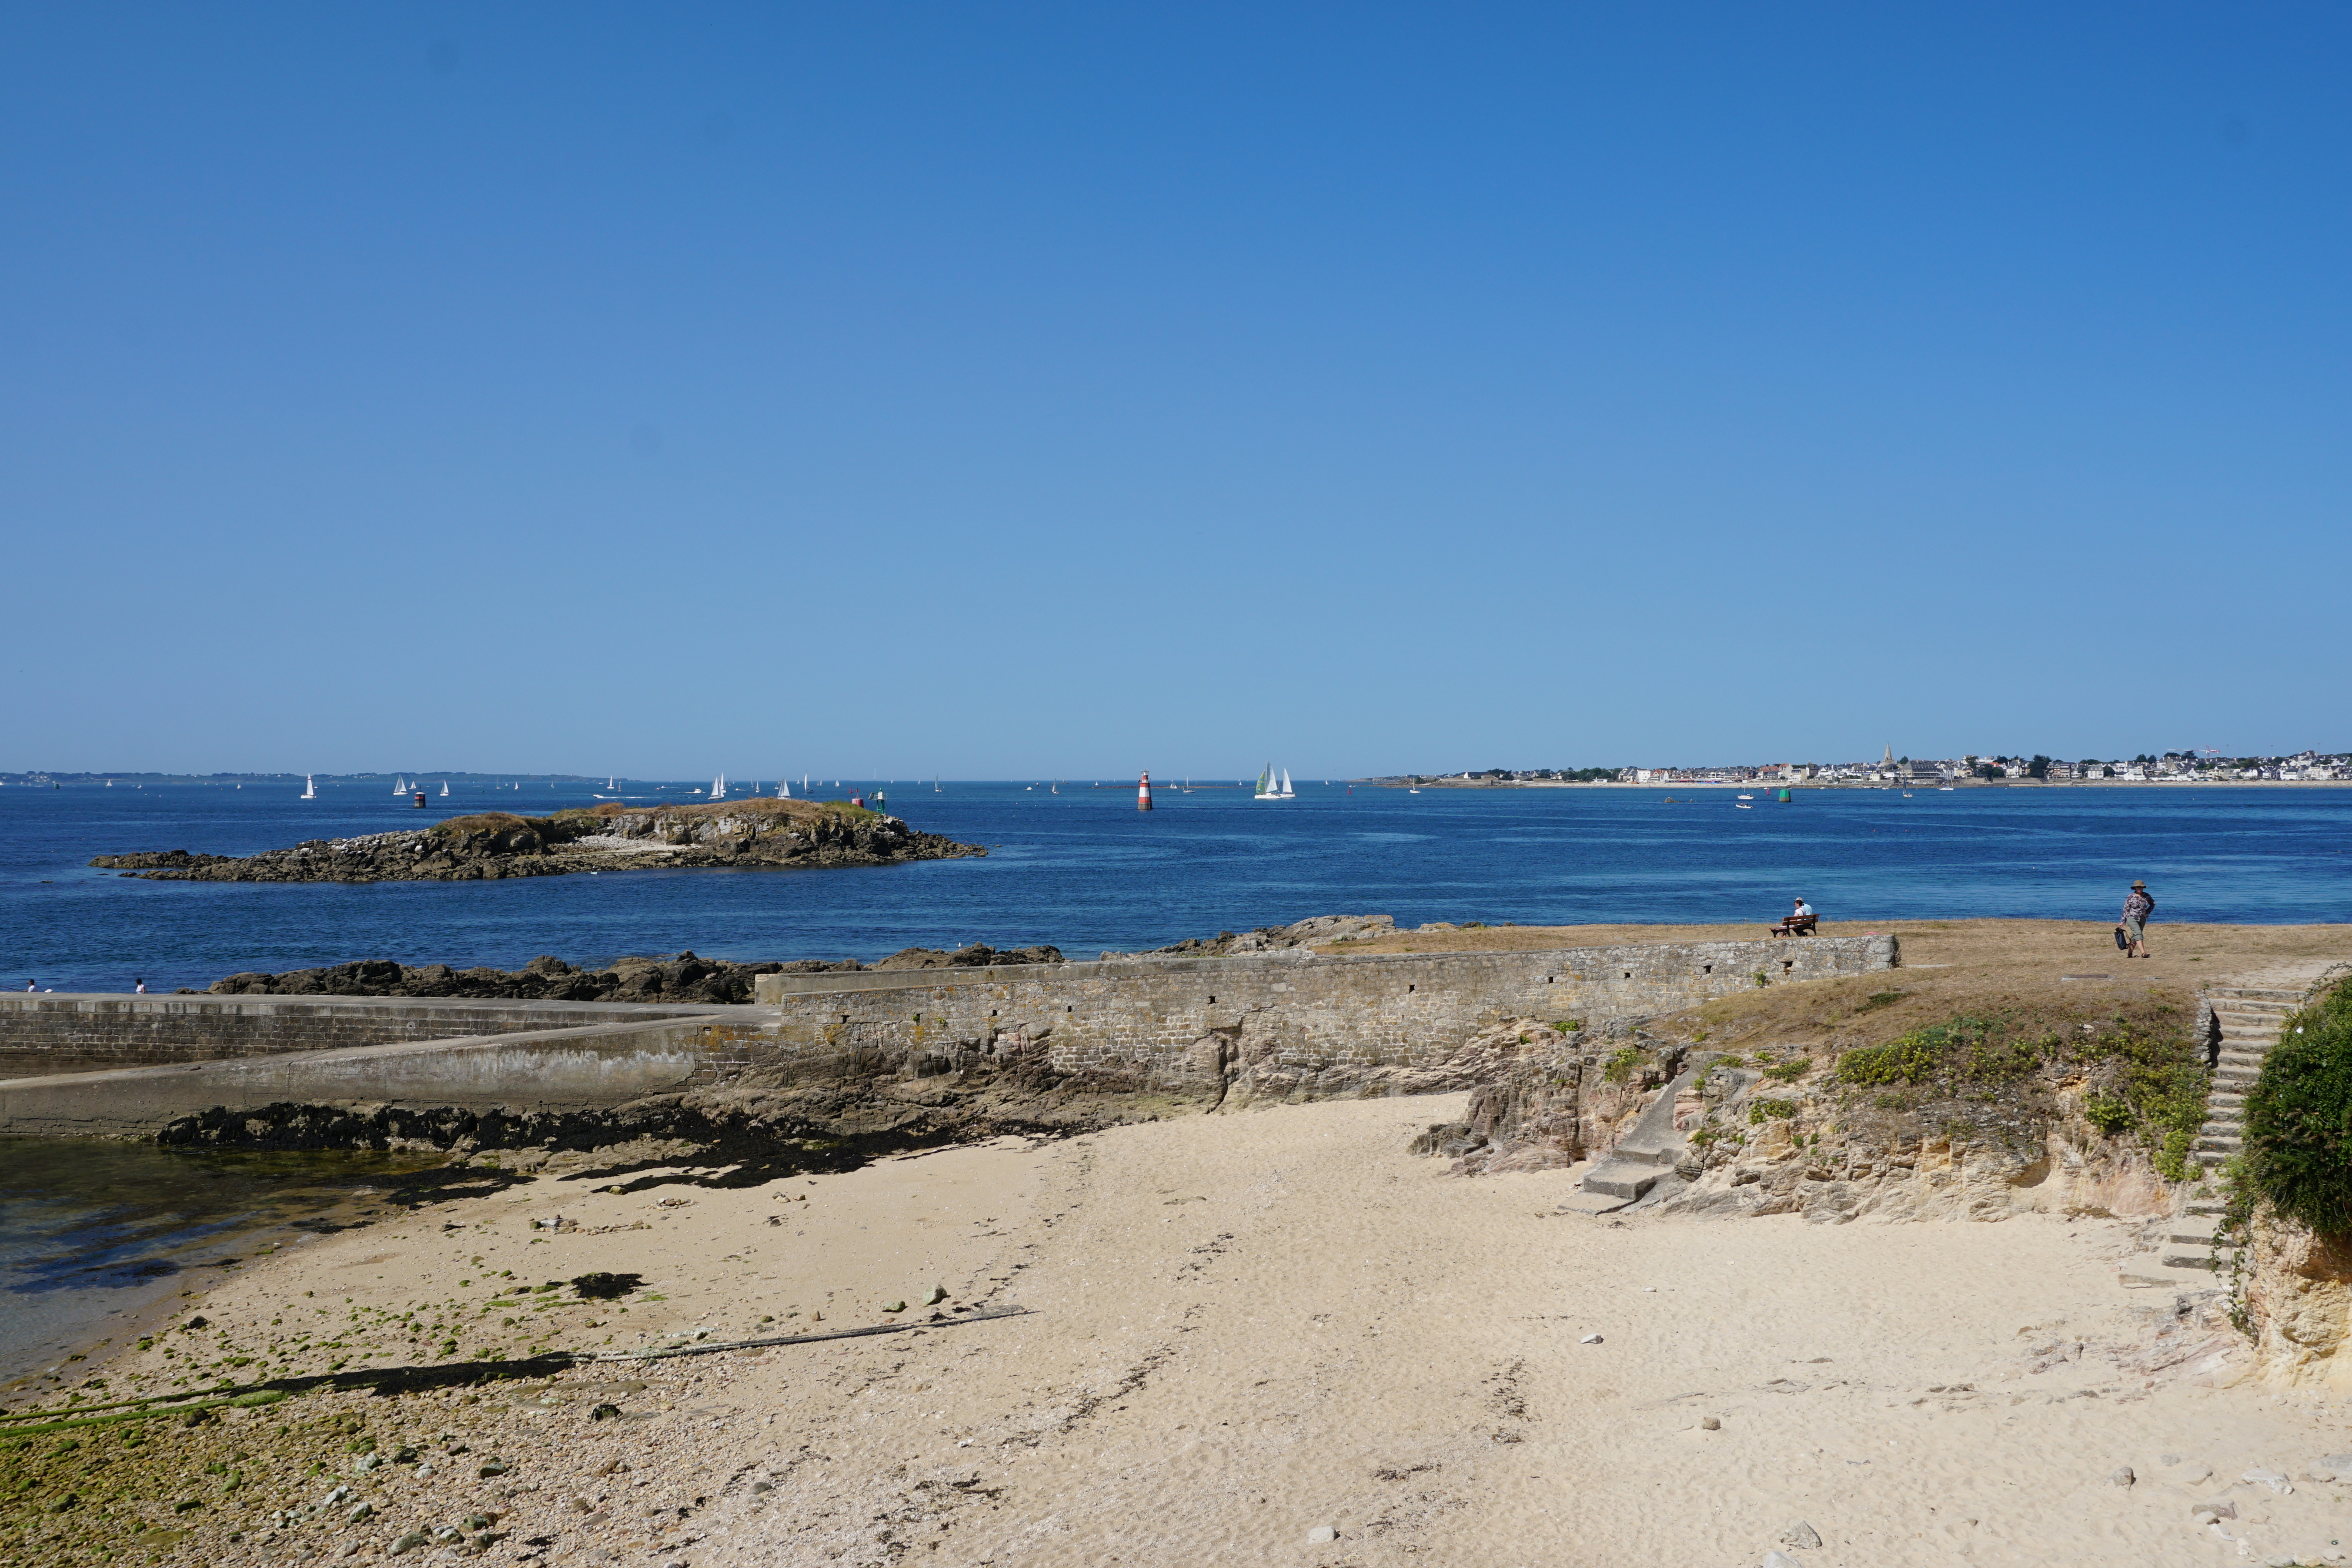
(1801, 922)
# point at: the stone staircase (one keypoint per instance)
(2249, 1017)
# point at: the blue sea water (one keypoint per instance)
(1084, 871)
(91, 1233)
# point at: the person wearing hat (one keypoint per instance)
(2137, 907)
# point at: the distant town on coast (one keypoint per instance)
(2201, 767)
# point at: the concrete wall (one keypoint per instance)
(1150, 1023)
(44, 1034)
(552, 1071)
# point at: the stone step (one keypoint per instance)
(2254, 993)
(2193, 1229)
(1625, 1181)
(2212, 1207)
(2218, 1145)
(2198, 1257)
(2149, 1269)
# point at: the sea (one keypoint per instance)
(98, 1234)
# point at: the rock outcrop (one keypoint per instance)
(495, 844)
(682, 977)
(2295, 1293)
(1315, 931)
(1979, 1119)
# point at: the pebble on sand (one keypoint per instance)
(1800, 1537)
(1780, 1560)
(1710, 1424)
(2122, 1476)
(1321, 1533)
(1590, 1338)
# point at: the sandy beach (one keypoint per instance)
(1241, 1331)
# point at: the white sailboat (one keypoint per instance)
(608, 781)
(1266, 789)
(399, 786)
(444, 789)
(719, 788)
(784, 789)
(310, 788)
(1287, 793)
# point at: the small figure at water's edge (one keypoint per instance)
(1801, 922)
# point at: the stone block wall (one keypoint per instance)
(1316, 1024)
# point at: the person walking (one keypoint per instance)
(2138, 909)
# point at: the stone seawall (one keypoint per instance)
(1200, 1033)
(1303, 1024)
(44, 1034)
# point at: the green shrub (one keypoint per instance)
(1762, 1110)
(1877, 1000)
(1788, 1071)
(1569, 1025)
(1907, 1058)
(2109, 1116)
(1620, 1065)
(2298, 1140)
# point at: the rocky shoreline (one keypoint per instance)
(684, 978)
(610, 837)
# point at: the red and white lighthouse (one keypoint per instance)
(1143, 794)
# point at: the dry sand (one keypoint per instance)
(1242, 1328)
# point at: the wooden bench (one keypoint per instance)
(1797, 925)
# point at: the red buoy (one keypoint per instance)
(1144, 793)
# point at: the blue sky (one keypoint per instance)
(1027, 390)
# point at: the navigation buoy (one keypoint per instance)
(1144, 793)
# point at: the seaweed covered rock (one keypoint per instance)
(493, 845)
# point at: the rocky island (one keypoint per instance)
(610, 837)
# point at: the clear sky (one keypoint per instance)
(1013, 390)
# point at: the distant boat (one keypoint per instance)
(608, 782)
(719, 788)
(935, 784)
(783, 789)
(310, 788)
(1413, 791)
(1747, 796)
(444, 789)
(1270, 787)
(1943, 789)
(399, 785)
